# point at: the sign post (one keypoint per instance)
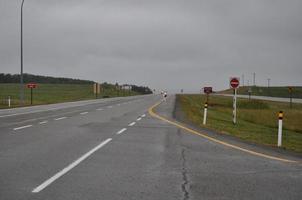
(31, 86)
(234, 83)
(290, 90)
(250, 93)
(207, 91)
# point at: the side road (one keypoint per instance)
(264, 98)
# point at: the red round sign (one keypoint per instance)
(234, 82)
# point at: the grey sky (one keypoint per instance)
(165, 44)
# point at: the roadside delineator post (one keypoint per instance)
(280, 116)
(205, 113)
(9, 102)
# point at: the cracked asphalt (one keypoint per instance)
(113, 149)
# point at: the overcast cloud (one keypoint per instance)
(164, 44)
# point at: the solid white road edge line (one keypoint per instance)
(132, 124)
(44, 122)
(60, 118)
(83, 113)
(121, 131)
(69, 167)
(22, 127)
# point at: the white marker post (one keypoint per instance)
(280, 128)
(235, 106)
(205, 113)
(9, 102)
(234, 83)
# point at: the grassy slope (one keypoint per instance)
(265, 91)
(54, 93)
(257, 120)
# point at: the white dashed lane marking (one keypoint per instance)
(139, 119)
(121, 131)
(57, 119)
(44, 122)
(132, 124)
(83, 113)
(22, 127)
(69, 167)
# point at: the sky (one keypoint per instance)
(164, 44)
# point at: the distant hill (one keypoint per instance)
(265, 91)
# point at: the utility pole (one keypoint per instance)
(242, 80)
(21, 73)
(268, 85)
(254, 78)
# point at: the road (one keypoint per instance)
(279, 99)
(122, 148)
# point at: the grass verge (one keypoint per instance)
(257, 119)
(55, 93)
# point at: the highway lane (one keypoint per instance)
(121, 152)
(21, 115)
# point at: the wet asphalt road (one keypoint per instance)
(113, 149)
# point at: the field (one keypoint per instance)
(271, 91)
(257, 119)
(55, 93)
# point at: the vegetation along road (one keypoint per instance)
(257, 119)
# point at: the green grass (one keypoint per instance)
(257, 119)
(55, 93)
(272, 91)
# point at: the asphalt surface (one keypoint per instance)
(113, 149)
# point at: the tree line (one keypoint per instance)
(141, 89)
(30, 78)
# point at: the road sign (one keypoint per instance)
(207, 90)
(234, 82)
(31, 85)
